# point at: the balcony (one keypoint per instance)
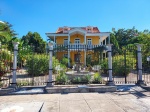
(81, 47)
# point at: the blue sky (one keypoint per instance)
(47, 15)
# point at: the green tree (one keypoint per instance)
(6, 32)
(34, 39)
(123, 37)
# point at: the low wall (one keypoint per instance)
(80, 89)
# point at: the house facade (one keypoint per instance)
(79, 41)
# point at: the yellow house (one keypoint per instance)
(78, 41)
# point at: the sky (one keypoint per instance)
(45, 16)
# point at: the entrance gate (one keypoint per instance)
(124, 64)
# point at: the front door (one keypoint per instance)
(77, 57)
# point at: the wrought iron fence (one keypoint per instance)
(6, 63)
(124, 62)
(32, 67)
(146, 63)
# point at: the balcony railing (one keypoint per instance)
(76, 46)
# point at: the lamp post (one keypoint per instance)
(148, 59)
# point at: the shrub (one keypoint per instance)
(118, 64)
(62, 78)
(97, 77)
(38, 64)
(76, 80)
(24, 83)
(64, 61)
(5, 61)
(86, 78)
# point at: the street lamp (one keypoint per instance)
(148, 58)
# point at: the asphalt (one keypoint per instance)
(127, 99)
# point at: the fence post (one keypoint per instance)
(110, 82)
(14, 63)
(49, 83)
(125, 74)
(139, 57)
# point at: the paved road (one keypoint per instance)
(127, 101)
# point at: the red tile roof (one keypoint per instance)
(95, 29)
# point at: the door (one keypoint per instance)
(77, 57)
(77, 41)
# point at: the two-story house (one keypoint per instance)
(78, 39)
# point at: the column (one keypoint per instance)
(110, 82)
(85, 49)
(85, 39)
(68, 50)
(85, 57)
(140, 81)
(49, 83)
(68, 39)
(100, 40)
(15, 44)
(55, 39)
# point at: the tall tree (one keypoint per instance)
(6, 32)
(35, 41)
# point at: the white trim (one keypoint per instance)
(54, 39)
(52, 34)
(87, 34)
(77, 30)
(68, 39)
(85, 39)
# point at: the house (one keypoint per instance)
(79, 41)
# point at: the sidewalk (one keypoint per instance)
(78, 102)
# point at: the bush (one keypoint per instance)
(24, 83)
(64, 61)
(118, 65)
(38, 64)
(5, 61)
(62, 78)
(97, 77)
(86, 78)
(76, 80)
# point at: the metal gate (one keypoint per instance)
(124, 64)
(146, 64)
(32, 67)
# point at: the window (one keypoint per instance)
(89, 41)
(66, 55)
(77, 41)
(65, 41)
